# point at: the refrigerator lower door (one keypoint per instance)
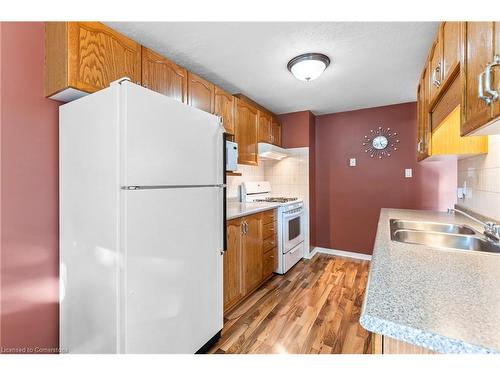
(172, 300)
(165, 142)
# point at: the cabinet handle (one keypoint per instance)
(436, 82)
(487, 78)
(480, 92)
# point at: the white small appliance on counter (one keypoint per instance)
(231, 156)
(290, 222)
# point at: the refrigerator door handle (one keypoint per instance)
(146, 187)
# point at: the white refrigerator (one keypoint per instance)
(142, 223)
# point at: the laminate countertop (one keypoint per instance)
(238, 209)
(442, 299)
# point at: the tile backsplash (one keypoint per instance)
(289, 177)
(481, 176)
(248, 173)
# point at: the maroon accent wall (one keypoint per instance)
(29, 259)
(349, 199)
(296, 129)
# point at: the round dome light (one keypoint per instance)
(308, 66)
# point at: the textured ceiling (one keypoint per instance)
(373, 63)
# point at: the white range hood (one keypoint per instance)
(269, 151)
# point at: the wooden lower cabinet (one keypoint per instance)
(233, 271)
(252, 260)
(387, 345)
(248, 262)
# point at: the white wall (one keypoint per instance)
(289, 177)
(482, 176)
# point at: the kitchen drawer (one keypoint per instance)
(293, 256)
(268, 217)
(268, 243)
(269, 230)
(270, 263)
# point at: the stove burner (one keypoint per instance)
(276, 199)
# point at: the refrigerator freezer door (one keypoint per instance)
(166, 142)
(173, 269)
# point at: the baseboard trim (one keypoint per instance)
(340, 253)
(311, 254)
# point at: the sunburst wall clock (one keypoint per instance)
(381, 142)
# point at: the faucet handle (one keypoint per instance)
(493, 229)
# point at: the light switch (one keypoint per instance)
(408, 173)
(352, 162)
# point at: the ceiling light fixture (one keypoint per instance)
(308, 66)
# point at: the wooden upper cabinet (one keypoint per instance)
(436, 70)
(265, 130)
(162, 75)
(426, 124)
(233, 264)
(423, 129)
(496, 71)
(479, 50)
(246, 117)
(276, 130)
(253, 252)
(87, 57)
(450, 35)
(224, 107)
(200, 93)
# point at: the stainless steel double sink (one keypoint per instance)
(441, 235)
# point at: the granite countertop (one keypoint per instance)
(444, 300)
(237, 209)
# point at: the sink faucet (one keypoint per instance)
(491, 229)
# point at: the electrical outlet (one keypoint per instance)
(352, 162)
(408, 173)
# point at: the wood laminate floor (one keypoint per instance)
(314, 308)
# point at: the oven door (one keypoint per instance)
(293, 228)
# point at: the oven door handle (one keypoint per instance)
(293, 215)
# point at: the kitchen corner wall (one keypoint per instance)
(481, 176)
(289, 177)
(29, 258)
(349, 199)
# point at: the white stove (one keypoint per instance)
(290, 222)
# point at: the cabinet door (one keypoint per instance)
(252, 252)
(450, 32)
(496, 70)
(426, 124)
(436, 70)
(162, 75)
(265, 131)
(246, 132)
(200, 93)
(479, 50)
(276, 129)
(98, 55)
(420, 103)
(233, 263)
(224, 107)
